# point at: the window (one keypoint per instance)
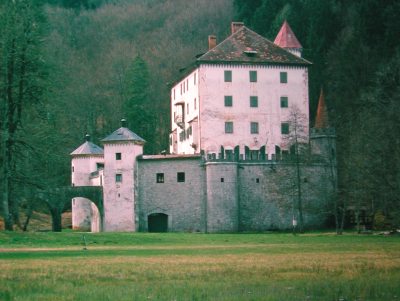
(253, 76)
(194, 79)
(174, 94)
(228, 101)
(253, 101)
(118, 178)
(73, 169)
(180, 177)
(229, 127)
(187, 109)
(284, 128)
(228, 76)
(222, 180)
(254, 127)
(118, 156)
(284, 102)
(195, 104)
(160, 178)
(257, 180)
(283, 77)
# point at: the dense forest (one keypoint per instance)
(71, 67)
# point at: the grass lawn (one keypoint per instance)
(170, 266)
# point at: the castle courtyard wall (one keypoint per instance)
(183, 202)
(268, 195)
(224, 196)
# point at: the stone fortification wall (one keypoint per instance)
(183, 202)
(222, 196)
(268, 195)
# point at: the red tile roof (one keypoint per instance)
(246, 46)
(286, 38)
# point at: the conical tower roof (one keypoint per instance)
(321, 120)
(88, 148)
(286, 38)
(123, 134)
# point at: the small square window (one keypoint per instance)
(228, 76)
(284, 128)
(284, 102)
(118, 156)
(257, 180)
(180, 177)
(222, 180)
(253, 76)
(283, 77)
(229, 127)
(118, 178)
(228, 101)
(254, 127)
(253, 101)
(160, 177)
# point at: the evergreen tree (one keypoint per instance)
(137, 107)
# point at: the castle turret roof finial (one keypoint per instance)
(321, 120)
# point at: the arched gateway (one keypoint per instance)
(157, 222)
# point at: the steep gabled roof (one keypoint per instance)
(123, 134)
(286, 38)
(246, 46)
(87, 148)
(321, 120)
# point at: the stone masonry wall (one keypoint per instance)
(268, 195)
(183, 202)
(222, 197)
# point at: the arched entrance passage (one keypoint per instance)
(57, 198)
(157, 222)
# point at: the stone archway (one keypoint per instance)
(57, 200)
(85, 215)
(157, 222)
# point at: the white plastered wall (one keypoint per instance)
(268, 114)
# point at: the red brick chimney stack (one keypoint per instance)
(212, 42)
(235, 26)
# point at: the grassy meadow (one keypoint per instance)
(171, 266)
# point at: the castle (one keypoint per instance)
(242, 154)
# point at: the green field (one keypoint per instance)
(144, 266)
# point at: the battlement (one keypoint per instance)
(274, 159)
(315, 132)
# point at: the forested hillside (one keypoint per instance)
(355, 49)
(95, 58)
(71, 67)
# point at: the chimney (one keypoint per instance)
(123, 122)
(235, 26)
(212, 42)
